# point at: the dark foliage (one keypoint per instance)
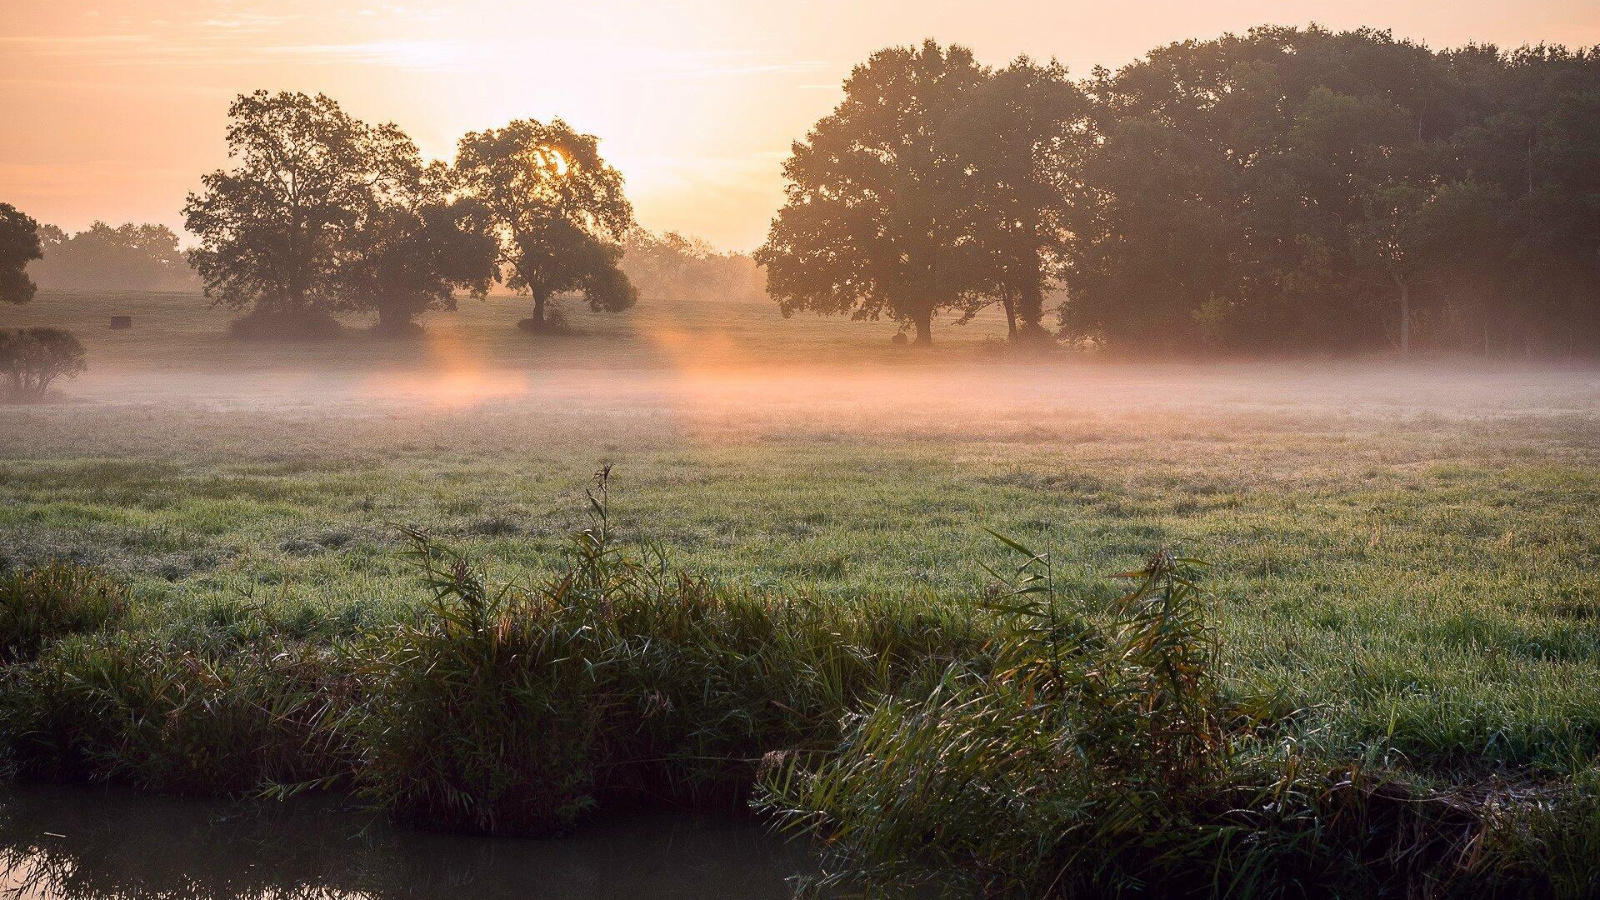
(19, 245)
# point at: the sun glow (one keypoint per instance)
(550, 159)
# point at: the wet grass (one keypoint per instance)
(1447, 609)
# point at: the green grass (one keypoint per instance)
(1406, 560)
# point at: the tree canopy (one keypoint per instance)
(672, 266)
(1288, 189)
(322, 211)
(1303, 189)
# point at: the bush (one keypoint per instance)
(554, 323)
(41, 605)
(31, 359)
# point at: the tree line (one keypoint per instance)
(131, 257)
(1286, 190)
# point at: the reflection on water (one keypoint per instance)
(86, 843)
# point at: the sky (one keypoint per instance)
(113, 109)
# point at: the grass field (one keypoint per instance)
(1404, 560)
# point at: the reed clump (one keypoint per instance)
(129, 709)
(1094, 753)
(519, 710)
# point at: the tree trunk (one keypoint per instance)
(924, 323)
(538, 312)
(1030, 310)
(1405, 319)
(1011, 315)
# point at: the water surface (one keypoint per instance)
(86, 843)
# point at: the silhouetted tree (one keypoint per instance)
(31, 359)
(870, 223)
(307, 176)
(19, 245)
(557, 209)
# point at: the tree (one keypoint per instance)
(1019, 140)
(870, 225)
(414, 251)
(19, 245)
(557, 209)
(33, 358)
(273, 230)
(674, 267)
(125, 257)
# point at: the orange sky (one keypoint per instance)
(112, 110)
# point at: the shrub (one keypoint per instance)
(31, 359)
(43, 604)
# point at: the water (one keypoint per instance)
(89, 843)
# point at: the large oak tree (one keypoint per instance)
(306, 177)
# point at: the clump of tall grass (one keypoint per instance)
(1098, 755)
(520, 709)
(133, 710)
(43, 604)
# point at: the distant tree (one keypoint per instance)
(273, 229)
(1019, 139)
(19, 245)
(557, 209)
(870, 223)
(671, 266)
(414, 251)
(125, 257)
(31, 359)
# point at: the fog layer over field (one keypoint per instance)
(718, 374)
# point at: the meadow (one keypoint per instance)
(1403, 561)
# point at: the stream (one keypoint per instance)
(87, 843)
